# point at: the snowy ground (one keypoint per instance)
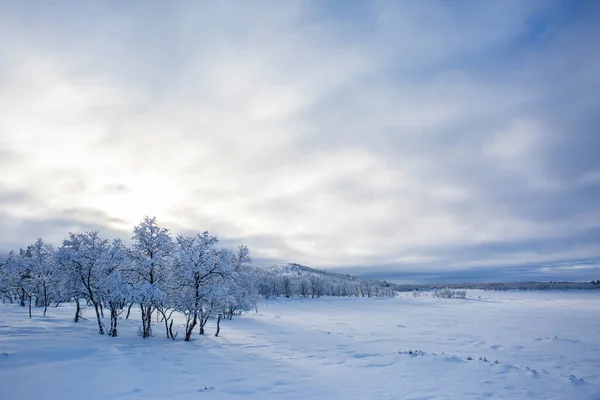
(547, 345)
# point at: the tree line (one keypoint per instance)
(500, 286)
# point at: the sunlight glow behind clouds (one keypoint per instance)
(411, 134)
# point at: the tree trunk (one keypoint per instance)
(149, 323)
(218, 325)
(113, 322)
(45, 299)
(146, 321)
(203, 320)
(143, 311)
(100, 327)
(29, 306)
(189, 328)
(77, 310)
(171, 330)
(166, 321)
(129, 310)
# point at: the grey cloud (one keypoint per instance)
(10, 196)
(89, 215)
(452, 151)
(19, 232)
(533, 259)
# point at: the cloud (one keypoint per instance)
(387, 134)
(19, 232)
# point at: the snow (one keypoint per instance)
(546, 345)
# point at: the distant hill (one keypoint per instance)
(295, 280)
(294, 269)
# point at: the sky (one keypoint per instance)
(440, 140)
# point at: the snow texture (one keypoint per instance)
(492, 345)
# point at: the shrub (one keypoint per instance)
(447, 293)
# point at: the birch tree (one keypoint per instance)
(41, 259)
(151, 256)
(116, 290)
(199, 265)
(83, 255)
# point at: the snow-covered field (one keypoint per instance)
(547, 346)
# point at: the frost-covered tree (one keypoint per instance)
(286, 285)
(199, 266)
(5, 279)
(165, 302)
(42, 269)
(83, 255)
(32, 271)
(166, 308)
(242, 288)
(151, 256)
(117, 291)
(9, 279)
(316, 285)
(267, 283)
(304, 287)
(19, 268)
(70, 284)
(218, 301)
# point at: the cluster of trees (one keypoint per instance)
(190, 275)
(294, 280)
(445, 293)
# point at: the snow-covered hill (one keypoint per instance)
(295, 280)
(292, 269)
